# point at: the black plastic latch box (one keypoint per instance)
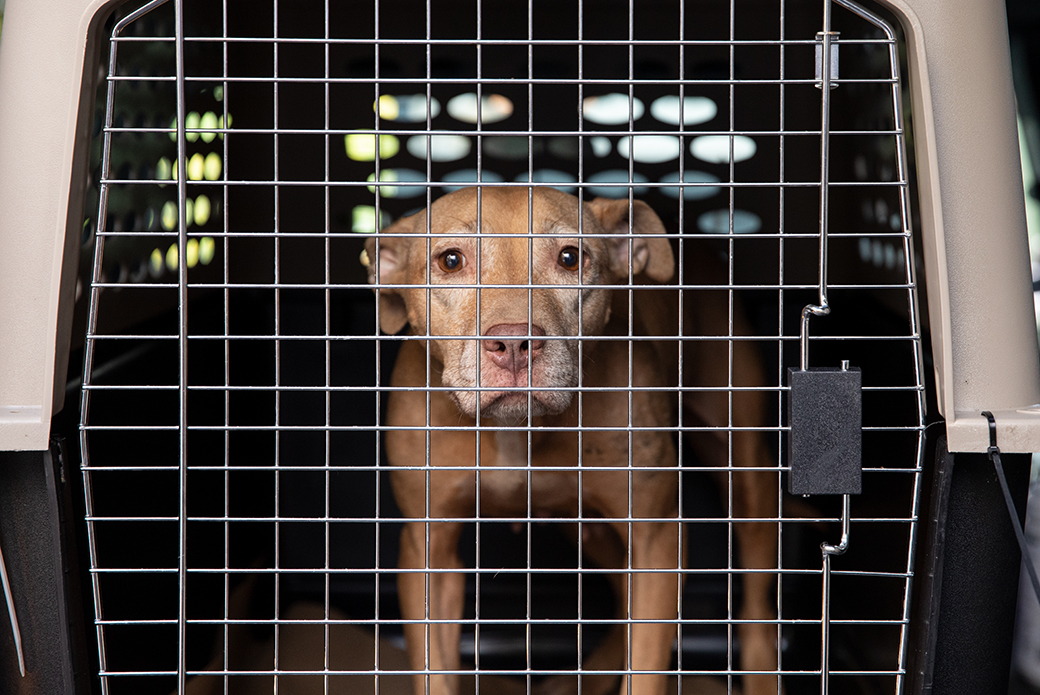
(825, 444)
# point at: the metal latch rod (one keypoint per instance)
(822, 308)
(826, 68)
(830, 551)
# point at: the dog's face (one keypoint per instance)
(517, 278)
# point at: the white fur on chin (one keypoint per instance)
(511, 408)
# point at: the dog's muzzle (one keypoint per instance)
(514, 358)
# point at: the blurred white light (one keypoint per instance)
(398, 175)
(690, 193)
(468, 177)
(716, 148)
(443, 148)
(695, 110)
(493, 108)
(617, 176)
(865, 252)
(717, 222)
(612, 109)
(650, 149)
(406, 108)
(551, 176)
(600, 145)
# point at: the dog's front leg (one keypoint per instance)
(654, 597)
(432, 596)
(755, 497)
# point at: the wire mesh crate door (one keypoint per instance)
(503, 481)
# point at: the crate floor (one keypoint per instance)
(302, 647)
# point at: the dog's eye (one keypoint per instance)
(451, 261)
(570, 258)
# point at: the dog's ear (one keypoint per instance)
(649, 254)
(386, 254)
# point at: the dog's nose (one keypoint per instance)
(512, 352)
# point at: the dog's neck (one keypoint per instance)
(515, 445)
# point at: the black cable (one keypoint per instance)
(994, 455)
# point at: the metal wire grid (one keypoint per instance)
(194, 429)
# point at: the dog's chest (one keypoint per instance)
(516, 482)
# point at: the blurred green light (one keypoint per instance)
(212, 167)
(208, 122)
(169, 215)
(207, 249)
(364, 219)
(164, 169)
(196, 167)
(203, 208)
(387, 107)
(192, 121)
(361, 147)
(222, 126)
(191, 253)
(386, 175)
(155, 262)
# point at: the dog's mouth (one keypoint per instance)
(514, 406)
(520, 405)
(513, 397)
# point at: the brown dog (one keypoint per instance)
(512, 288)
